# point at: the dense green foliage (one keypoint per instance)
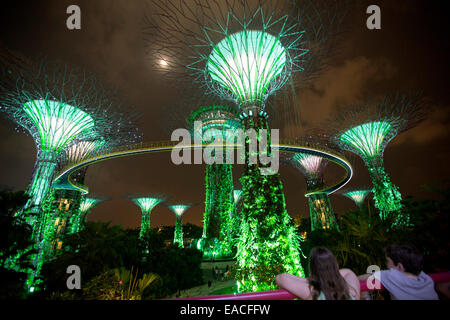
(15, 245)
(100, 248)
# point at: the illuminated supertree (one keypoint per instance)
(146, 202)
(214, 124)
(87, 203)
(366, 130)
(358, 195)
(179, 209)
(320, 210)
(245, 51)
(57, 105)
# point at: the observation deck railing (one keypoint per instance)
(63, 179)
(286, 295)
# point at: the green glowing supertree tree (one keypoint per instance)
(179, 209)
(358, 195)
(214, 124)
(321, 212)
(146, 202)
(366, 130)
(57, 105)
(245, 51)
(87, 203)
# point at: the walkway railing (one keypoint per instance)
(285, 295)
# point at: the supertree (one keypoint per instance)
(246, 51)
(146, 202)
(237, 196)
(179, 209)
(358, 195)
(57, 105)
(87, 203)
(215, 124)
(366, 129)
(320, 209)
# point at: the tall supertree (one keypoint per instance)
(146, 202)
(320, 209)
(358, 195)
(215, 124)
(245, 51)
(57, 105)
(179, 209)
(366, 130)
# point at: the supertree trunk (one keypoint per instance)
(178, 235)
(219, 208)
(268, 243)
(39, 187)
(321, 212)
(386, 195)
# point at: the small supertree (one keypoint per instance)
(366, 130)
(146, 202)
(214, 124)
(87, 203)
(179, 209)
(358, 195)
(321, 212)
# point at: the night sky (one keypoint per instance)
(410, 52)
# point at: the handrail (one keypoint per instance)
(286, 295)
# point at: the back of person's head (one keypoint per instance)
(408, 256)
(324, 276)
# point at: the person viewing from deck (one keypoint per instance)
(405, 279)
(325, 281)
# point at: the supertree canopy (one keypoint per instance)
(179, 209)
(366, 130)
(357, 195)
(321, 212)
(245, 51)
(146, 202)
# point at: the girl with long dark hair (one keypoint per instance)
(325, 281)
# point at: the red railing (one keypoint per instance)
(285, 295)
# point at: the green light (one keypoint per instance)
(367, 138)
(358, 196)
(246, 63)
(146, 204)
(58, 123)
(179, 210)
(88, 203)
